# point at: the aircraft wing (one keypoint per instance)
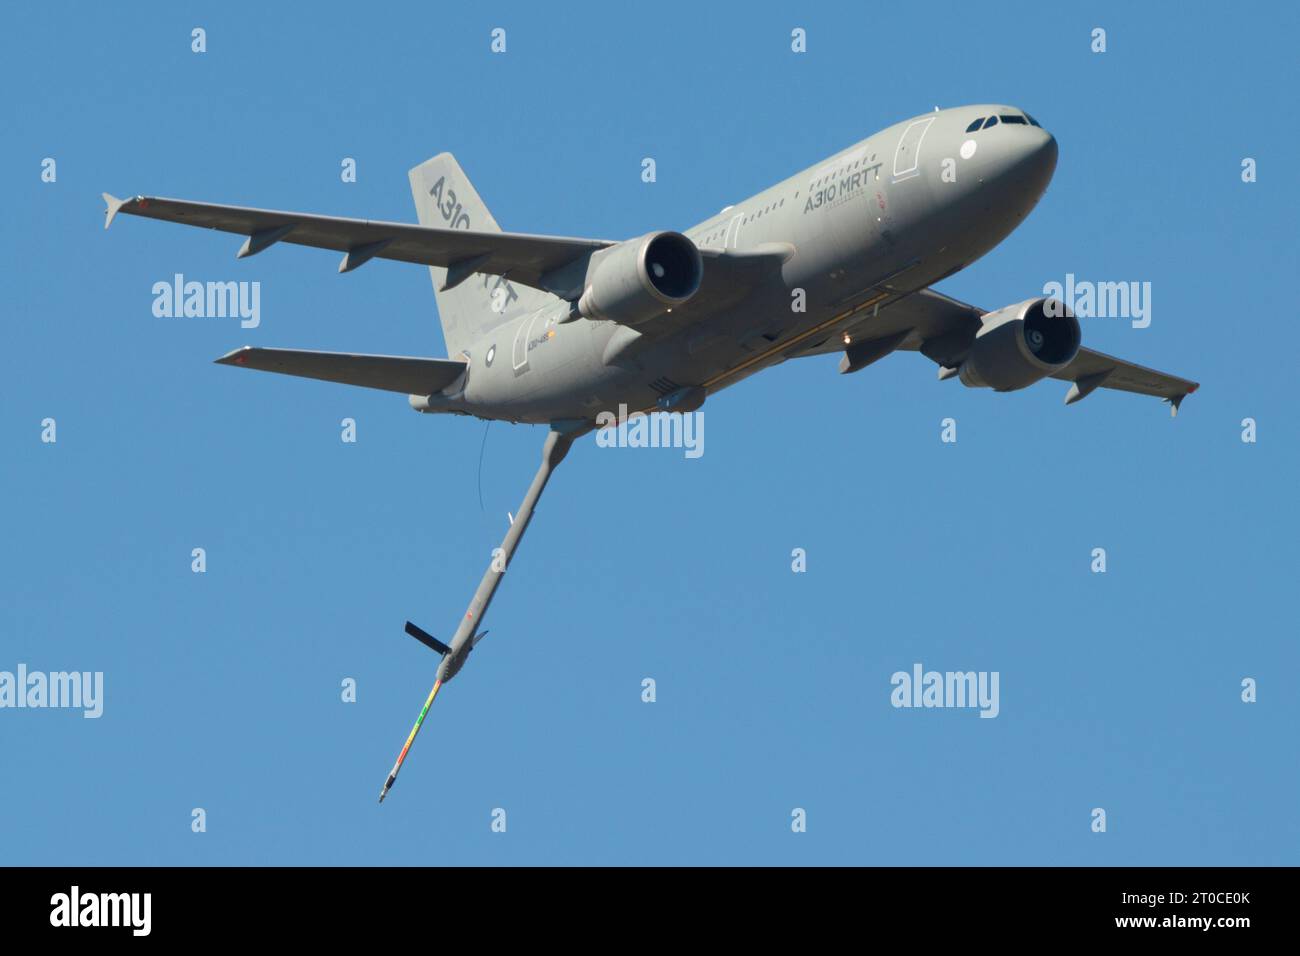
(528, 259)
(942, 328)
(524, 258)
(1126, 376)
(393, 373)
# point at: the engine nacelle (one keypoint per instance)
(638, 280)
(1018, 345)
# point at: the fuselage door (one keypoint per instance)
(519, 351)
(908, 154)
(732, 237)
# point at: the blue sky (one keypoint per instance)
(222, 690)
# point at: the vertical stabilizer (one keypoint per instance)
(445, 199)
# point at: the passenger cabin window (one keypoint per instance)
(991, 121)
(975, 125)
(1015, 119)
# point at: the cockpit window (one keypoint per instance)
(991, 121)
(975, 125)
(1032, 121)
(1014, 119)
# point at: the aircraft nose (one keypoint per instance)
(1020, 161)
(1040, 153)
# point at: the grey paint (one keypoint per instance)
(882, 245)
(862, 234)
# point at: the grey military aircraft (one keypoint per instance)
(839, 257)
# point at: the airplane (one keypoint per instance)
(559, 331)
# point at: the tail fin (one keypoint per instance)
(445, 199)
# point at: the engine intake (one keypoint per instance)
(638, 280)
(1021, 344)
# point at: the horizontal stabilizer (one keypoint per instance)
(393, 373)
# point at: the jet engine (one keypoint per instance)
(638, 280)
(1020, 344)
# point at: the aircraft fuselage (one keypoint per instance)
(892, 214)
